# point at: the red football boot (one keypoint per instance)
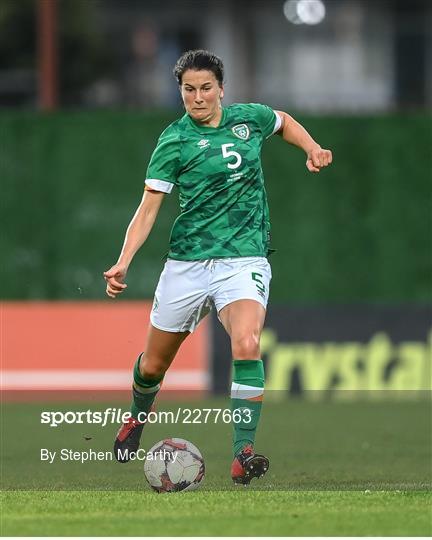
(128, 440)
(248, 465)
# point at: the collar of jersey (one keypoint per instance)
(201, 129)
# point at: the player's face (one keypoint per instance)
(202, 96)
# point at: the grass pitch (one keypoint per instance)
(245, 513)
(337, 468)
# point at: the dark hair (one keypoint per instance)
(199, 60)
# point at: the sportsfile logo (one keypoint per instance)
(180, 415)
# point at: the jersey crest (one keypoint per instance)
(241, 131)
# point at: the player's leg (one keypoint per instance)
(179, 305)
(243, 321)
(151, 366)
(149, 370)
(241, 295)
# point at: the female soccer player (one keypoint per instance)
(218, 246)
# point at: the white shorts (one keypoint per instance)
(187, 289)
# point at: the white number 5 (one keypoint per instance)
(228, 153)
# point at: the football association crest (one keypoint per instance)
(241, 131)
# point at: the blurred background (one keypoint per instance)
(320, 56)
(86, 87)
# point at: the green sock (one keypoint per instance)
(246, 393)
(144, 392)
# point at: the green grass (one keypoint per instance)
(337, 468)
(244, 513)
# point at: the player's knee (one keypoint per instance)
(151, 368)
(246, 346)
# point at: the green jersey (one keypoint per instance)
(224, 210)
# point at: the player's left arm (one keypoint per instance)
(294, 133)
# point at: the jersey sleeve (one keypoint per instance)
(268, 120)
(162, 170)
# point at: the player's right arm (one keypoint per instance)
(137, 232)
(161, 177)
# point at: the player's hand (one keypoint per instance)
(115, 277)
(317, 158)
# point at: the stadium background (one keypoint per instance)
(81, 112)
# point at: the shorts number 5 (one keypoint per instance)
(256, 276)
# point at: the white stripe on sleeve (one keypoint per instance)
(159, 185)
(278, 123)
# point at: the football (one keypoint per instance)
(174, 465)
